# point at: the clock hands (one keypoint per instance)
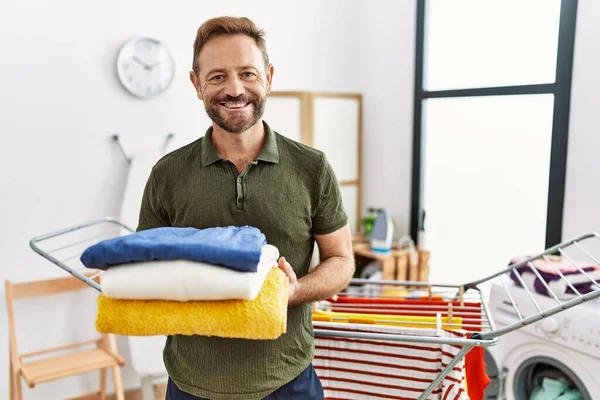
(146, 66)
(143, 64)
(158, 63)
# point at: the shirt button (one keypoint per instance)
(239, 180)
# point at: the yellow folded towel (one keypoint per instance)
(262, 318)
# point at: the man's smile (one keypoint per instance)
(234, 105)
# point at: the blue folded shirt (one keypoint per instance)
(238, 248)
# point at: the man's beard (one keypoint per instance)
(239, 123)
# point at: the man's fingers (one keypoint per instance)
(287, 268)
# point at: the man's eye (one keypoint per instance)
(217, 78)
(249, 74)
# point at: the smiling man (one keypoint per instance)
(244, 173)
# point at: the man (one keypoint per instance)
(243, 173)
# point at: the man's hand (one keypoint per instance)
(287, 268)
(330, 276)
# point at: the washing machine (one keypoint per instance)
(564, 346)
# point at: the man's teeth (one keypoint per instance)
(235, 105)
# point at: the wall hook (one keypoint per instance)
(115, 138)
(170, 136)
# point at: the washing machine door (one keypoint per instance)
(528, 365)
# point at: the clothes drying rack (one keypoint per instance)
(65, 246)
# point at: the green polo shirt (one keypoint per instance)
(290, 193)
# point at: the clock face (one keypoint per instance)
(145, 67)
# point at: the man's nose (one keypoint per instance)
(234, 87)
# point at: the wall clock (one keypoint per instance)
(145, 67)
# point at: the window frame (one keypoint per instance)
(561, 89)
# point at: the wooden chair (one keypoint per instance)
(100, 357)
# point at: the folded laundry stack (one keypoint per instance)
(221, 281)
(561, 286)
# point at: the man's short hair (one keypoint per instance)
(223, 26)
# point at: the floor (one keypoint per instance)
(160, 391)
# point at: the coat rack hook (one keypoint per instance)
(115, 138)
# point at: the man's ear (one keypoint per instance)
(196, 82)
(270, 71)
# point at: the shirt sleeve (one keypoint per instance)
(330, 214)
(152, 212)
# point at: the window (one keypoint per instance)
(490, 131)
(474, 43)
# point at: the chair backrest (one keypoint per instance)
(45, 287)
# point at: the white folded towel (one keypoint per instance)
(183, 280)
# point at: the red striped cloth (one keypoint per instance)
(470, 312)
(354, 369)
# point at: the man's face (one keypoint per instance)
(232, 82)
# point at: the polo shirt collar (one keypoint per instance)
(268, 153)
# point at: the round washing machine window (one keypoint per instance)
(530, 374)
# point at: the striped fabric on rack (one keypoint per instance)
(470, 314)
(353, 369)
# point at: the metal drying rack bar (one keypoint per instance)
(63, 262)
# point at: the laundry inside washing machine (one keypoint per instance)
(543, 378)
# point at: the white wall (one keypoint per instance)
(388, 60)
(60, 102)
